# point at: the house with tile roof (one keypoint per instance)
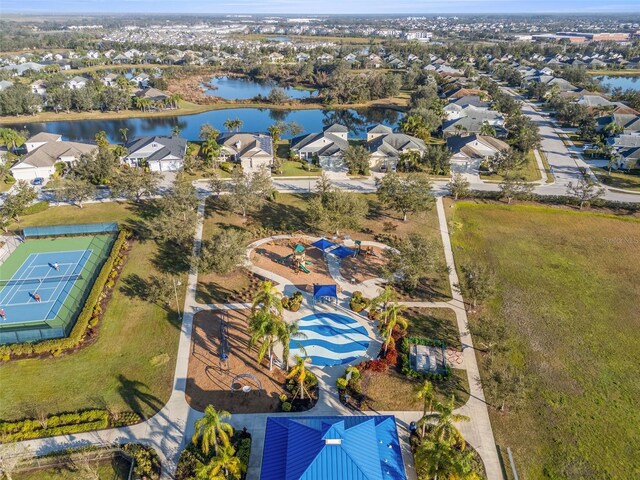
(160, 154)
(323, 448)
(386, 147)
(474, 148)
(328, 145)
(252, 151)
(44, 151)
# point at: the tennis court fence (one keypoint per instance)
(61, 230)
(29, 281)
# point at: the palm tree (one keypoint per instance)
(174, 100)
(268, 298)
(264, 328)
(383, 298)
(11, 138)
(224, 466)
(275, 131)
(175, 131)
(212, 429)
(233, 124)
(299, 372)
(123, 134)
(285, 334)
(425, 393)
(207, 132)
(390, 318)
(210, 150)
(444, 429)
(437, 459)
(120, 151)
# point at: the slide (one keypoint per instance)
(304, 269)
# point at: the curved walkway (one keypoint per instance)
(172, 427)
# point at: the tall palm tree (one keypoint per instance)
(233, 124)
(383, 298)
(444, 429)
(212, 429)
(268, 298)
(123, 134)
(390, 318)
(425, 393)
(285, 334)
(264, 330)
(299, 372)
(224, 466)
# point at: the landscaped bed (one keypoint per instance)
(209, 380)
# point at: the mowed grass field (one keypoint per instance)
(566, 319)
(129, 367)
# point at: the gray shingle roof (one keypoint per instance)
(172, 146)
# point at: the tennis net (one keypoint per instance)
(30, 281)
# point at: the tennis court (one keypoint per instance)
(41, 301)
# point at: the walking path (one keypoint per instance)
(172, 427)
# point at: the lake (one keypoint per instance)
(627, 82)
(238, 88)
(254, 120)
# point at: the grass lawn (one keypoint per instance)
(530, 171)
(107, 469)
(547, 167)
(288, 214)
(4, 186)
(626, 181)
(434, 323)
(576, 140)
(393, 391)
(130, 365)
(562, 329)
(295, 169)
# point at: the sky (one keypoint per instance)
(318, 6)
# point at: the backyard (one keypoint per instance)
(130, 365)
(558, 337)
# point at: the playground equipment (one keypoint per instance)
(237, 385)
(224, 343)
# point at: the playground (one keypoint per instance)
(212, 378)
(44, 283)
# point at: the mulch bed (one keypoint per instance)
(209, 381)
(363, 267)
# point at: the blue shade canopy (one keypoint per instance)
(322, 244)
(342, 251)
(322, 448)
(325, 291)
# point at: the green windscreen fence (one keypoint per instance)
(61, 230)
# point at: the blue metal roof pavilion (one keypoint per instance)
(323, 244)
(332, 448)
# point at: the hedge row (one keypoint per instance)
(63, 424)
(88, 316)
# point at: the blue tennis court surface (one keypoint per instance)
(38, 275)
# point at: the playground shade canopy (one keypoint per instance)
(343, 252)
(321, 448)
(323, 244)
(320, 291)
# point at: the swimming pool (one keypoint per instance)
(332, 339)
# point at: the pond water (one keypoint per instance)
(254, 120)
(238, 88)
(627, 82)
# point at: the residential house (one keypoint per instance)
(141, 80)
(325, 58)
(302, 57)
(594, 101)
(109, 80)
(457, 107)
(624, 141)
(76, 83)
(160, 154)
(251, 150)
(44, 151)
(339, 447)
(625, 123)
(463, 92)
(152, 94)
(386, 147)
(275, 57)
(39, 87)
(19, 69)
(328, 145)
(472, 150)
(474, 121)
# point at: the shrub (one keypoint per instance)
(286, 407)
(147, 462)
(62, 424)
(358, 302)
(341, 383)
(36, 208)
(376, 365)
(283, 397)
(244, 450)
(293, 303)
(227, 167)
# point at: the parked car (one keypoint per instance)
(37, 181)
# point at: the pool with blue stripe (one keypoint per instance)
(331, 339)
